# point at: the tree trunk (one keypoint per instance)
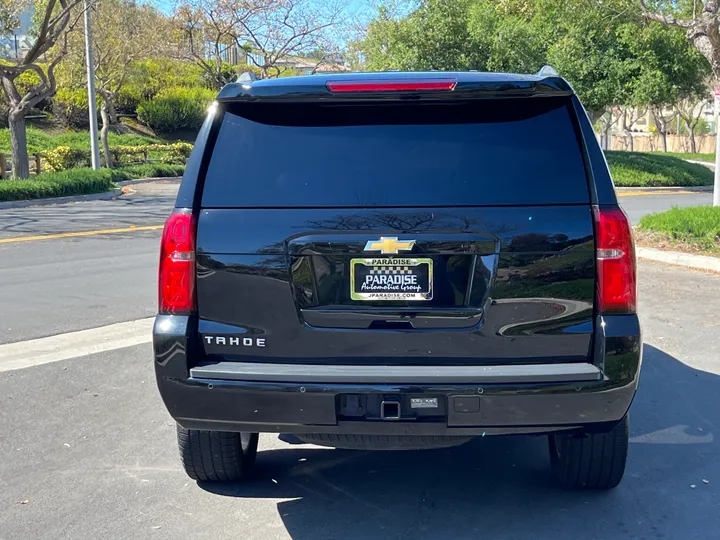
(606, 134)
(693, 146)
(112, 113)
(628, 133)
(105, 115)
(18, 144)
(661, 125)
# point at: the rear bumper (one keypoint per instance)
(469, 400)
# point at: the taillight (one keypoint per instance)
(391, 86)
(617, 285)
(176, 279)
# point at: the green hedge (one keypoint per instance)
(60, 184)
(65, 157)
(70, 107)
(176, 109)
(154, 170)
(699, 225)
(80, 181)
(646, 170)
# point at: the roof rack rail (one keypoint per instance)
(246, 77)
(548, 71)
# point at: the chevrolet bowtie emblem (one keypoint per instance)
(389, 245)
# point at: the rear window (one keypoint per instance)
(484, 152)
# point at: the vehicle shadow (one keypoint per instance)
(497, 487)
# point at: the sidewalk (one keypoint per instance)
(677, 258)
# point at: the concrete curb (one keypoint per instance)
(665, 189)
(707, 164)
(700, 262)
(106, 195)
(35, 352)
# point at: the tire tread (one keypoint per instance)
(215, 456)
(591, 460)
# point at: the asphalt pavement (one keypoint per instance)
(51, 284)
(88, 451)
(641, 203)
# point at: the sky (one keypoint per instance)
(359, 7)
(362, 10)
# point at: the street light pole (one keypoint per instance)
(92, 103)
(716, 187)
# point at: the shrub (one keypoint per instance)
(80, 181)
(169, 153)
(176, 108)
(60, 184)
(70, 107)
(639, 169)
(148, 77)
(128, 99)
(229, 72)
(64, 157)
(154, 170)
(695, 225)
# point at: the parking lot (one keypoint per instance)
(88, 451)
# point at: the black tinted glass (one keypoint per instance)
(485, 152)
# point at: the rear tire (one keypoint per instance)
(590, 460)
(216, 456)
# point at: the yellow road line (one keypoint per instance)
(79, 233)
(668, 192)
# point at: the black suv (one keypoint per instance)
(395, 261)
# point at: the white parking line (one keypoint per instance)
(35, 352)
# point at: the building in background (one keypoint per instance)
(235, 55)
(19, 42)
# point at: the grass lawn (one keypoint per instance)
(39, 140)
(695, 229)
(637, 169)
(710, 158)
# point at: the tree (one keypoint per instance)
(266, 32)
(436, 35)
(578, 37)
(123, 33)
(55, 19)
(668, 70)
(702, 29)
(690, 111)
(629, 115)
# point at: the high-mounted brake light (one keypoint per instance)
(615, 252)
(390, 86)
(176, 278)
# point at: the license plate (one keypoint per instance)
(391, 279)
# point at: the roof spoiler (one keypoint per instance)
(547, 71)
(246, 77)
(466, 85)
